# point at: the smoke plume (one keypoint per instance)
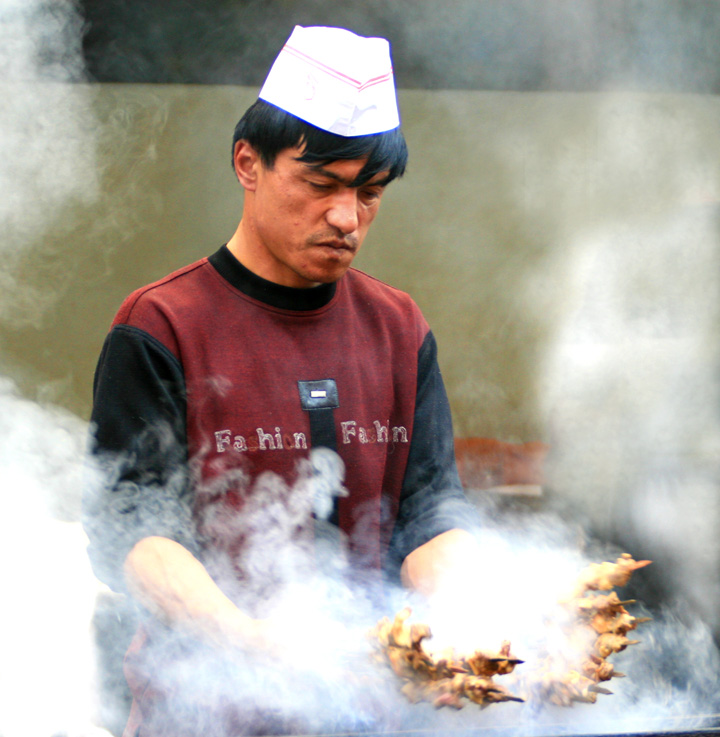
(46, 129)
(615, 343)
(48, 137)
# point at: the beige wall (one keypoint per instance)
(562, 246)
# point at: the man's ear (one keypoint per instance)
(246, 161)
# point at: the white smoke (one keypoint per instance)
(510, 590)
(630, 383)
(47, 678)
(633, 391)
(610, 342)
(528, 562)
(48, 137)
(49, 594)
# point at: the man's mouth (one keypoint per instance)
(337, 244)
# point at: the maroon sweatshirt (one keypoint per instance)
(212, 376)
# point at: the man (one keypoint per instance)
(230, 371)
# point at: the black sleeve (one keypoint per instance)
(432, 500)
(137, 481)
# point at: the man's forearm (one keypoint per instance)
(436, 563)
(176, 588)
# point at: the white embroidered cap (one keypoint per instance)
(335, 80)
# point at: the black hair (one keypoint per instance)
(269, 130)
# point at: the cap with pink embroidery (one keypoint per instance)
(335, 80)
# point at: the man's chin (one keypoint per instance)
(327, 273)
(328, 276)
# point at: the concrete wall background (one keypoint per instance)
(564, 247)
(505, 196)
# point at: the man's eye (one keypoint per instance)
(320, 186)
(370, 195)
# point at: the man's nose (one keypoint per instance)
(343, 211)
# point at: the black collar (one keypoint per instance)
(275, 295)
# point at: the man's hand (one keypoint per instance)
(440, 562)
(175, 587)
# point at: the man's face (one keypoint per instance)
(307, 223)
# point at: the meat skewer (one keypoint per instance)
(602, 614)
(606, 576)
(449, 679)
